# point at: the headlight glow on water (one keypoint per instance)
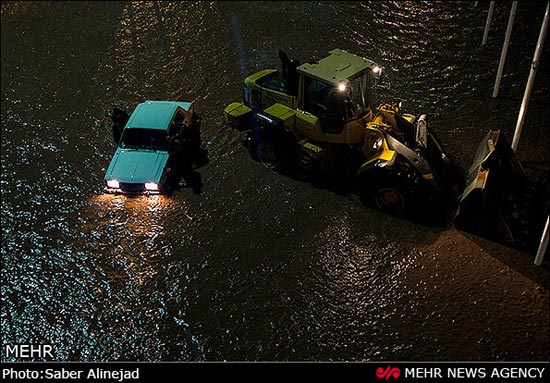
(113, 184)
(151, 186)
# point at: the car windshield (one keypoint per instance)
(139, 138)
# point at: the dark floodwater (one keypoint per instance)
(258, 266)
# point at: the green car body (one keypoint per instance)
(140, 163)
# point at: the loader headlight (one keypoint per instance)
(341, 87)
(377, 74)
(113, 184)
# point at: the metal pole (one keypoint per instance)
(543, 244)
(488, 23)
(531, 80)
(505, 47)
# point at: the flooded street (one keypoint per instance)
(258, 266)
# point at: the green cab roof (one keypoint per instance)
(339, 66)
(155, 114)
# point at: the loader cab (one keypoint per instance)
(336, 104)
(330, 98)
(336, 88)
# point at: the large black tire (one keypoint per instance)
(390, 199)
(387, 194)
(262, 148)
(273, 149)
(267, 154)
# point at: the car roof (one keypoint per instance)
(339, 66)
(155, 114)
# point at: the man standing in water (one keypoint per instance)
(185, 149)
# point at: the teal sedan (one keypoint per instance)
(141, 163)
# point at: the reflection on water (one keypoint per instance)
(132, 225)
(258, 266)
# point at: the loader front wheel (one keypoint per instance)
(389, 199)
(386, 194)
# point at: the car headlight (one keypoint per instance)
(151, 186)
(113, 184)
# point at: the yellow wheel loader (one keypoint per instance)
(316, 117)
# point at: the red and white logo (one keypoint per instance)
(389, 372)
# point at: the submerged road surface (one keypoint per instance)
(257, 266)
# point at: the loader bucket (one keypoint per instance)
(493, 202)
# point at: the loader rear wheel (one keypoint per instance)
(266, 154)
(274, 154)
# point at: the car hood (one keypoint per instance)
(137, 166)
